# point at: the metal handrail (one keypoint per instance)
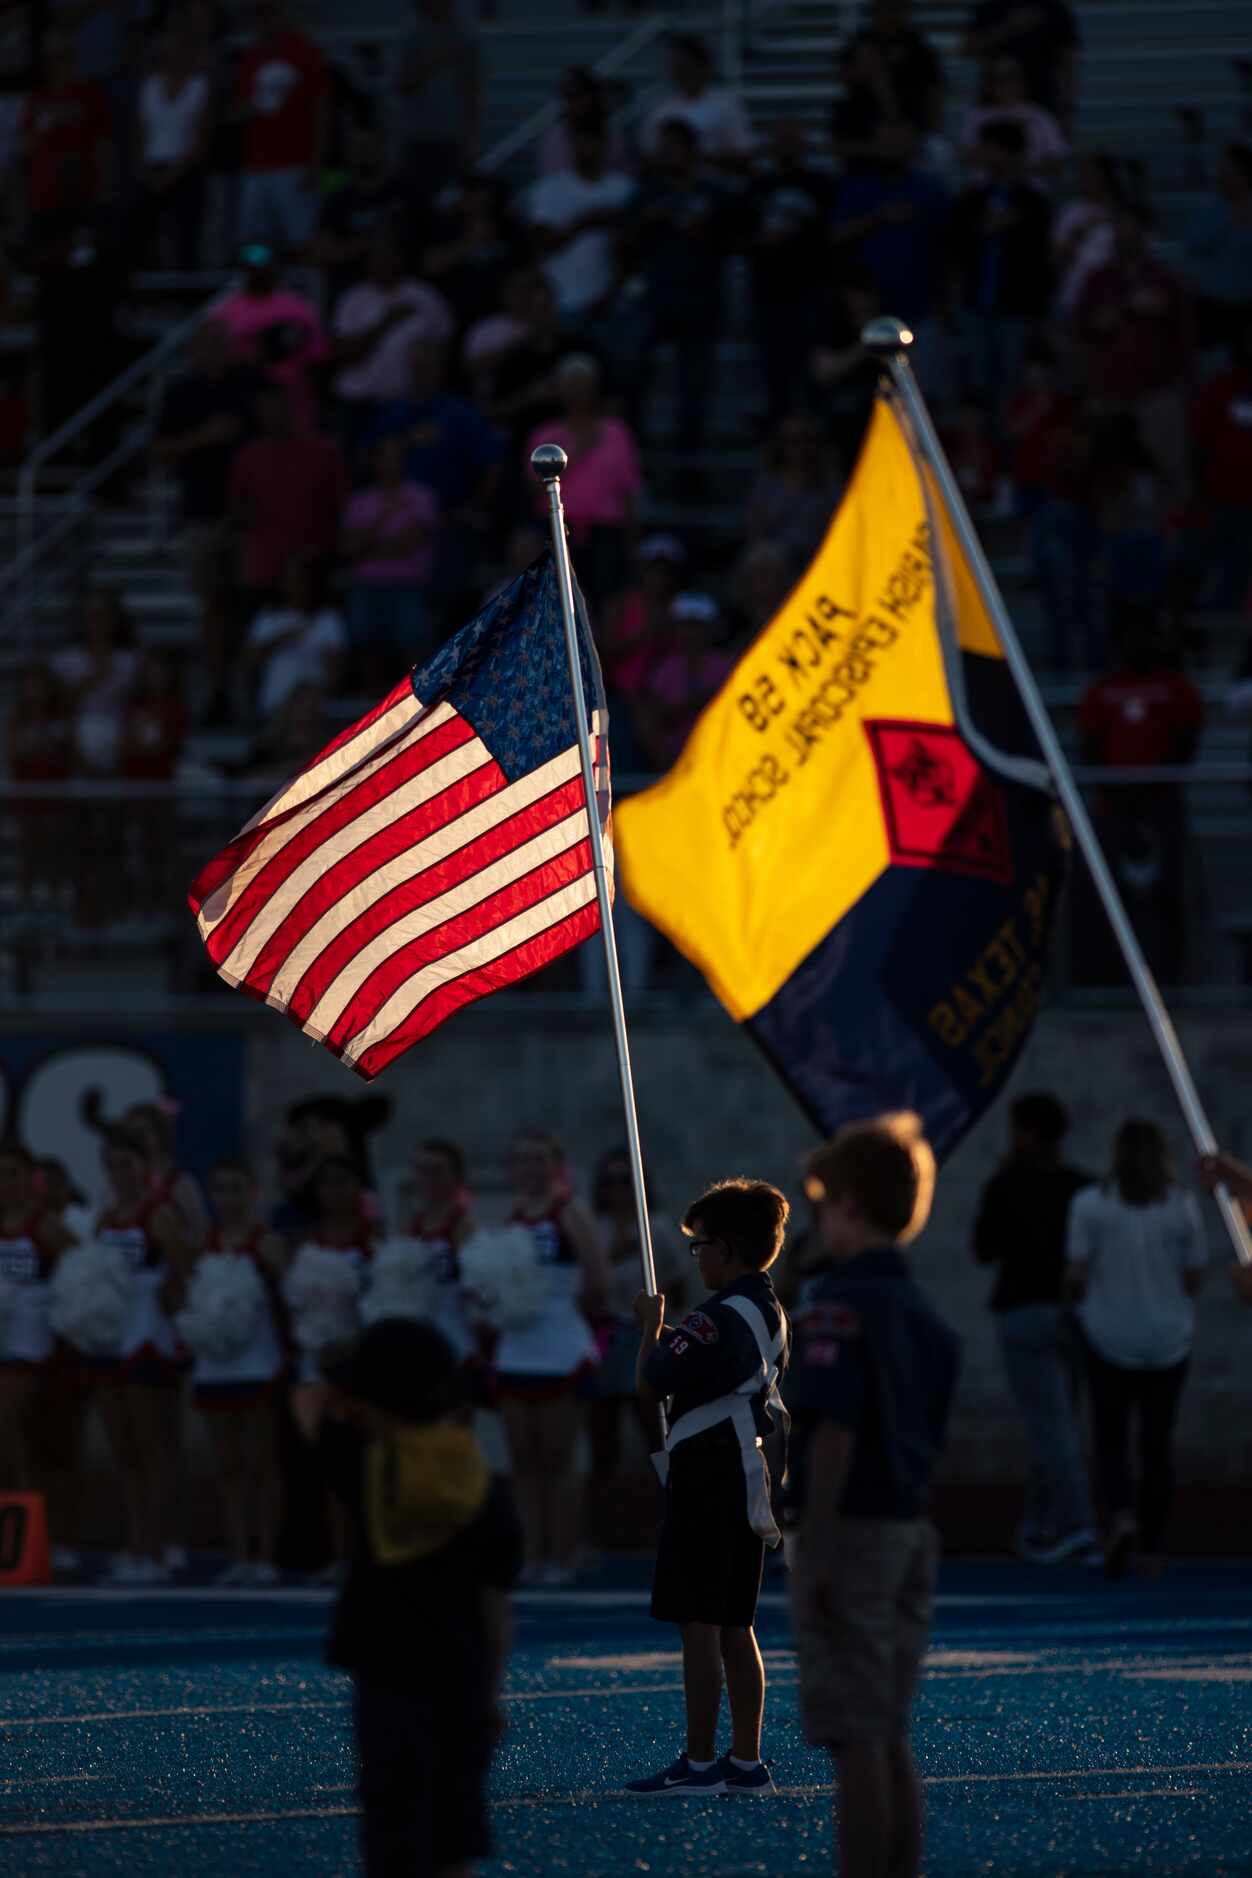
(607, 66)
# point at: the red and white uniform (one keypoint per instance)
(263, 1359)
(27, 1338)
(450, 1315)
(149, 1332)
(559, 1342)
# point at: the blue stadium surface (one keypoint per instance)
(1067, 1726)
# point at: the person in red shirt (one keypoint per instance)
(1144, 714)
(287, 494)
(1133, 320)
(67, 134)
(1221, 434)
(283, 95)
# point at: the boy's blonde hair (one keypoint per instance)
(886, 1165)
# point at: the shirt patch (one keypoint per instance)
(832, 1319)
(820, 1353)
(702, 1328)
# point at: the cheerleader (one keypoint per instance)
(443, 1222)
(31, 1241)
(138, 1399)
(238, 1395)
(613, 1388)
(171, 1182)
(543, 1367)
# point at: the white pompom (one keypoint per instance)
(225, 1306)
(402, 1281)
(90, 1298)
(502, 1275)
(323, 1288)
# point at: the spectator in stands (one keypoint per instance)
(1133, 321)
(601, 486)
(1041, 35)
(283, 97)
(585, 105)
(788, 210)
(450, 446)
(67, 138)
(795, 491)
(1136, 1255)
(1038, 420)
(1144, 714)
(1020, 1230)
(632, 629)
(96, 675)
(575, 215)
(682, 677)
(153, 727)
(299, 639)
(680, 234)
(437, 96)
(715, 114)
(1221, 432)
(890, 222)
(1001, 275)
(760, 581)
(389, 548)
(511, 357)
(971, 444)
(207, 414)
(287, 493)
(291, 739)
(1082, 230)
(174, 136)
(376, 325)
(1219, 252)
(842, 378)
(475, 242)
(39, 748)
(371, 200)
(892, 89)
(276, 330)
(1006, 100)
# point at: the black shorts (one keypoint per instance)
(709, 1564)
(422, 1779)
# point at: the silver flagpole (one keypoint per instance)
(548, 463)
(889, 340)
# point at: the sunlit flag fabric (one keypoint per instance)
(435, 852)
(865, 879)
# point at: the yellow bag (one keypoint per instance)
(422, 1487)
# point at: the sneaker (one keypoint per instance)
(176, 1558)
(264, 1575)
(65, 1559)
(678, 1777)
(1070, 1545)
(149, 1571)
(235, 1575)
(754, 1781)
(124, 1569)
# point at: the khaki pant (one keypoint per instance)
(860, 1646)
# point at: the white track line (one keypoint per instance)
(159, 1821)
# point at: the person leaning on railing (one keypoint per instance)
(1224, 1170)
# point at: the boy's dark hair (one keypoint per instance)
(1043, 1115)
(1142, 1167)
(748, 1216)
(447, 1151)
(886, 1166)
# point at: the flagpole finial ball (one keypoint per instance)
(548, 462)
(886, 335)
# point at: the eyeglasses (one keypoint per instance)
(695, 1246)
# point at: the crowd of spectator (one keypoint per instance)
(351, 436)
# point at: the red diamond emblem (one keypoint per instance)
(940, 807)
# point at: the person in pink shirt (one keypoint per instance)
(277, 330)
(683, 677)
(601, 487)
(377, 323)
(389, 545)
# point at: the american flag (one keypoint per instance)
(435, 852)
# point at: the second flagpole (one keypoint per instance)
(889, 340)
(549, 462)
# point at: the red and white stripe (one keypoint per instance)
(397, 878)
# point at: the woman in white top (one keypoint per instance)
(542, 1368)
(1136, 1256)
(173, 131)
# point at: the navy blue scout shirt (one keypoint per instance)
(711, 1353)
(873, 1356)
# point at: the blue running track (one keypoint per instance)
(1067, 1726)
